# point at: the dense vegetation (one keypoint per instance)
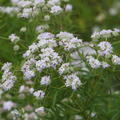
(59, 59)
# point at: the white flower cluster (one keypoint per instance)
(26, 89)
(9, 10)
(8, 79)
(94, 63)
(96, 54)
(23, 29)
(72, 81)
(31, 114)
(45, 35)
(116, 60)
(46, 40)
(105, 34)
(89, 56)
(46, 18)
(40, 55)
(68, 41)
(105, 48)
(40, 111)
(28, 8)
(56, 10)
(43, 55)
(39, 94)
(49, 58)
(64, 68)
(31, 8)
(8, 105)
(52, 3)
(68, 7)
(28, 69)
(45, 80)
(14, 39)
(42, 28)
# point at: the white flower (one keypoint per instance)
(68, 7)
(39, 2)
(41, 28)
(6, 66)
(26, 89)
(15, 113)
(93, 114)
(43, 43)
(32, 8)
(56, 10)
(105, 34)
(46, 17)
(105, 65)
(40, 65)
(27, 70)
(49, 58)
(33, 48)
(9, 10)
(72, 81)
(65, 35)
(52, 3)
(116, 60)
(105, 48)
(95, 35)
(16, 47)
(27, 54)
(8, 105)
(40, 111)
(39, 94)
(94, 63)
(22, 89)
(27, 12)
(68, 41)
(14, 38)
(24, 4)
(30, 116)
(8, 84)
(8, 79)
(31, 90)
(23, 29)
(64, 68)
(29, 74)
(45, 35)
(45, 80)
